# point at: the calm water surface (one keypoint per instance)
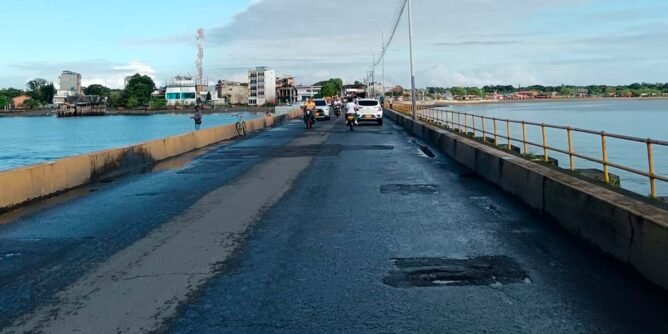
(638, 118)
(30, 140)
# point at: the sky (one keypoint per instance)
(456, 43)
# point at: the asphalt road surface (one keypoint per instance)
(309, 231)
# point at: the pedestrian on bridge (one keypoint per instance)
(197, 118)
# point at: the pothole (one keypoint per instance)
(434, 272)
(424, 149)
(407, 189)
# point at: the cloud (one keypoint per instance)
(502, 40)
(476, 43)
(94, 71)
(187, 39)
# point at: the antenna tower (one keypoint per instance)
(200, 56)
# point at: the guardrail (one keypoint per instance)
(471, 125)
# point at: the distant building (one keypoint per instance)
(355, 90)
(231, 92)
(181, 91)
(19, 101)
(70, 85)
(375, 89)
(262, 86)
(286, 92)
(306, 92)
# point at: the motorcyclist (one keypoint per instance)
(351, 108)
(310, 105)
(337, 106)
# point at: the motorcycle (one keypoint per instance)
(350, 121)
(337, 110)
(308, 118)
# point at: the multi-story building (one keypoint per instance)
(262, 86)
(70, 82)
(181, 91)
(305, 92)
(70, 85)
(286, 91)
(231, 92)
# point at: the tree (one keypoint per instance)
(328, 89)
(610, 91)
(41, 90)
(331, 87)
(4, 101)
(565, 91)
(115, 99)
(397, 90)
(47, 93)
(458, 91)
(97, 90)
(157, 103)
(32, 104)
(11, 92)
(132, 102)
(474, 91)
(138, 91)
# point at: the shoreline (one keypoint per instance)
(51, 113)
(585, 99)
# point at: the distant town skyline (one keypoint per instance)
(473, 43)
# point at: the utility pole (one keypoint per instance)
(373, 75)
(382, 43)
(410, 42)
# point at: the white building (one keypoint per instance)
(70, 85)
(262, 86)
(181, 91)
(231, 92)
(305, 92)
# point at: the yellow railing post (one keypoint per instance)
(510, 141)
(524, 137)
(466, 124)
(650, 161)
(545, 156)
(496, 136)
(459, 122)
(570, 148)
(484, 135)
(604, 151)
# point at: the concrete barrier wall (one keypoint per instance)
(25, 184)
(630, 230)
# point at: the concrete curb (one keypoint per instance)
(30, 183)
(631, 231)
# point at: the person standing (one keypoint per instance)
(197, 117)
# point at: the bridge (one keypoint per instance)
(306, 231)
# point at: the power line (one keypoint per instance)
(397, 20)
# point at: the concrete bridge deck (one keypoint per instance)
(296, 231)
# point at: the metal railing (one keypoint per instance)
(471, 125)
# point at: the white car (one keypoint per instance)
(369, 110)
(322, 109)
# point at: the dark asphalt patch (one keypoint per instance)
(434, 272)
(209, 168)
(424, 149)
(295, 151)
(407, 189)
